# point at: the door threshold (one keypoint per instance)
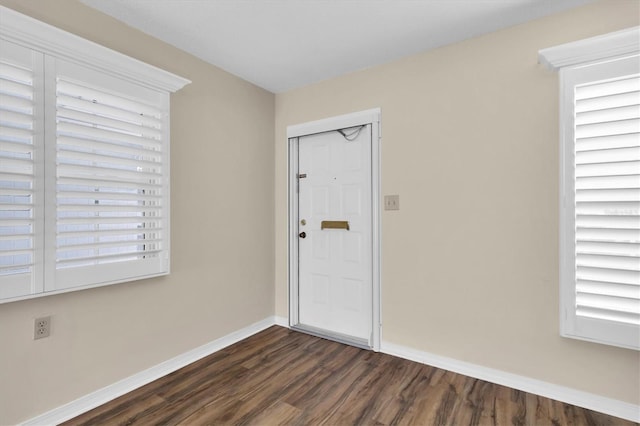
(336, 337)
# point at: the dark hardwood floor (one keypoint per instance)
(283, 377)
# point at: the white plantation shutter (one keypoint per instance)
(111, 180)
(18, 216)
(84, 162)
(607, 156)
(601, 203)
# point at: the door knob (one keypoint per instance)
(303, 234)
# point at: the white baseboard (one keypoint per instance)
(109, 393)
(282, 321)
(587, 400)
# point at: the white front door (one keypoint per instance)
(335, 280)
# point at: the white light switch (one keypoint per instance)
(392, 202)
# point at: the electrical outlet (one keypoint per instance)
(41, 327)
(392, 202)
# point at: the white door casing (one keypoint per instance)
(334, 274)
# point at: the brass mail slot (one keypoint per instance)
(334, 224)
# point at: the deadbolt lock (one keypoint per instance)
(303, 222)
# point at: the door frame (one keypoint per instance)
(294, 133)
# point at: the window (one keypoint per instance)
(600, 193)
(84, 162)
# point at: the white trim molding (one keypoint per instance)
(37, 35)
(564, 394)
(113, 391)
(610, 45)
(282, 321)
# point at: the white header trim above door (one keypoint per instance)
(370, 116)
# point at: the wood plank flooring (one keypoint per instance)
(280, 376)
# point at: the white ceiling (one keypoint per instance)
(284, 44)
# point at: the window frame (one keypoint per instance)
(578, 63)
(58, 46)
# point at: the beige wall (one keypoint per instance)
(470, 261)
(470, 143)
(222, 239)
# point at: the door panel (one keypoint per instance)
(335, 269)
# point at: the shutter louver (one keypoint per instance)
(607, 200)
(109, 177)
(16, 168)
